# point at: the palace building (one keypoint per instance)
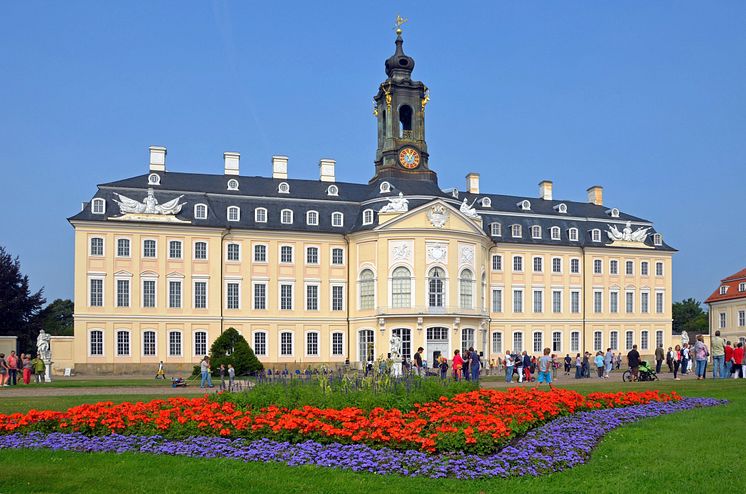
(316, 272)
(728, 308)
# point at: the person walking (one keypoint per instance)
(474, 364)
(608, 362)
(27, 368)
(467, 365)
(12, 369)
(684, 358)
(669, 359)
(544, 366)
(659, 356)
(526, 367)
(676, 363)
(161, 372)
(578, 367)
(205, 369)
(586, 364)
(701, 353)
(618, 360)
(3, 370)
(728, 364)
(568, 364)
(599, 361)
(518, 366)
(739, 363)
(222, 376)
(418, 361)
(458, 365)
(633, 360)
(231, 377)
(717, 347)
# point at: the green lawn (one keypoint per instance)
(694, 451)
(62, 382)
(24, 404)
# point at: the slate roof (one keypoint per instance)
(731, 293)
(352, 199)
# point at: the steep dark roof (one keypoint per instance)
(351, 200)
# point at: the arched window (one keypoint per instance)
(200, 211)
(436, 288)
(234, 214)
(368, 217)
(338, 219)
(401, 288)
(286, 217)
(536, 231)
(467, 339)
(367, 292)
(96, 342)
(466, 289)
(98, 206)
(572, 234)
(312, 218)
(260, 215)
(405, 121)
(555, 231)
(148, 343)
(406, 340)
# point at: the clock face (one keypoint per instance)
(409, 158)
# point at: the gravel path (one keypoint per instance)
(28, 391)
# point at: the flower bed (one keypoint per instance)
(558, 445)
(478, 421)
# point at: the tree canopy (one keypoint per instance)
(57, 318)
(231, 348)
(689, 316)
(18, 306)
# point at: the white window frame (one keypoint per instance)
(540, 348)
(555, 233)
(576, 294)
(332, 286)
(629, 339)
(283, 188)
(557, 309)
(291, 284)
(332, 190)
(289, 212)
(116, 247)
(181, 342)
(576, 261)
(520, 258)
(260, 215)
(338, 219)
(627, 300)
(142, 246)
(595, 235)
(98, 201)
(181, 292)
(368, 217)
(500, 262)
(194, 293)
(254, 346)
(181, 249)
(228, 254)
(521, 309)
(90, 246)
(254, 285)
(614, 301)
(306, 286)
(613, 266)
(574, 341)
(128, 279)
(229, 212)
(572, 234)
(540, 264)
(598, 340)
(556, 341)
(318, 255)
(496, 229)
(496, 342)
(194, 250)
(536, 232)
(556, 265)
(598, 266)
(312, 218)
(660, 297)
(194, 342)
(228, 282)
(598, 301)
(306, 334)
(292, 254)
(280, 343)
(629, 267)
(150, 278)
(128, 332)
(196, 209)
(90, 343)
(331, 344)
(659, 264)
(254, 253)
(331, 256)
(102, 279)
(516, 231)
(497, 297)
(155, 342)
(614, 339)
(232, 184)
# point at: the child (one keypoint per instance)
(545, 365)
(599, 360)
(443, 364)
(231, 376)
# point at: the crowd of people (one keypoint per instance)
(15, 369)
(727, 358)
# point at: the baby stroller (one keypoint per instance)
(644, 373)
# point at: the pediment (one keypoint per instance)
(436, 215)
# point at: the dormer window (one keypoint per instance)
(233, 184)
(561, 208)
(657, 239)
(368, 217)
(154, 179)
(596, 235)
(486, 202)
(312, 218)
(536, 231)
(525, 205)
(260, 215)
(742, 287)
(332, 190)
(286, 216)
(496, 229)
(613, 212)
(555, 233)
(572, 234)
(384, 188)
(234, 213)
(200, 211)
(283, 188)
(723, 290)
(98, 206)
(338, 219)
(515, 231)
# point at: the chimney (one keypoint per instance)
(472, 183)
(280, 167)
(157, 159)
(545, 190)
(596, 195)
(231, 160)
(326, 170)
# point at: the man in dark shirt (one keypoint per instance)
(633, 359)
(418, 361)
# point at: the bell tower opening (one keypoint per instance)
(405, 122)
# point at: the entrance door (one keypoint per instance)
(437, 344)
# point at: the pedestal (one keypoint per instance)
(47, 370)
(396, 369)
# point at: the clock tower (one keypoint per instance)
(399, 107)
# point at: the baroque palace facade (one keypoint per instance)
(320, 272)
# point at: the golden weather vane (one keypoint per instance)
(399, 21)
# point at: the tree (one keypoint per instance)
(689, 316)
(231, 348)
(18, 306)
(57, 318)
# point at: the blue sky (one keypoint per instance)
(647, 99)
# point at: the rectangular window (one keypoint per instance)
(630, 302)
(148, 248)
(260, 343)
(497, 263)
(312, 255)
(148, 293)
(722, 320)
(557, 301)
(741, 318)
(260, 296)
(312, 297)
(200, 294)
(644, 268)
(260, 215)
(658, 338)
(575, 266)
(286, 344)
(517, 264)
(200, 250)
(232, 297)
(337, 256)
(517, 301)
(538, 301)
(644, 339)
(286, 297)
(575, 341)
(613, 267)
(497, 300)
(644, 302)
(97, 342)
(312, 344)
(174, 294)
(123, 247)
(614, 340)
(234, 252)
(556, 265)
(575, 302)
(629, 339)
(659, 269)
(286, 253)
(174, 344)
(538, 342)
(557, 341)
(97, 246)
(597, 301)
(613, 302)
(337, 347)
(659, 302)
(97, 292)
(338, 297)
(148, 343)
(629, 268)
(174, 249)
(123, 293)
(123, 343)
(517, 342)
(597, 266)
(200, 343)
(497, 342)
(260, 253)
(538, 264)
(597, 340)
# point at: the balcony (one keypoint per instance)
(425, 310)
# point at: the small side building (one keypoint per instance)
(727, 306)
